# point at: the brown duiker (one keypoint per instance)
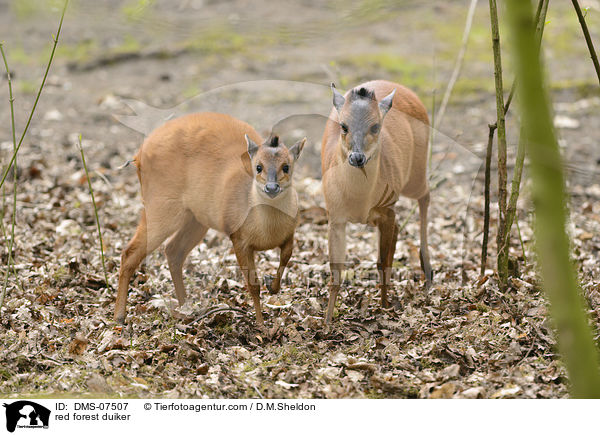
(207, 170)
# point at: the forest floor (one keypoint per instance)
(122, 70)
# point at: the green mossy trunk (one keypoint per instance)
(560, 282)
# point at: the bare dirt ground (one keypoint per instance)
(267, 63)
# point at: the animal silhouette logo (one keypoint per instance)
(26, 414)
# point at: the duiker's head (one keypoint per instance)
(273, 164)
(360, 117)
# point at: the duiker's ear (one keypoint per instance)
(296, 149)
(386, 103)
(252, 147)
(338, 99)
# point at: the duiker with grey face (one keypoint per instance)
(374, 149)
(206, 171)
(360, 122)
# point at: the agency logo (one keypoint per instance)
(25, 414)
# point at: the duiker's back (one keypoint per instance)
(195, 161)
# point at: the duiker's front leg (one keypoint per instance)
(245, 258)
(424, 252)
(337, 260)
(284, 258)
(388, 235)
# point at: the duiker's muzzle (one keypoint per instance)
(357, 159)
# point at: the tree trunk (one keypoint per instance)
(560, 283)
(502, 259)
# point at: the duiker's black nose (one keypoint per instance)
(357, 159)
(272, 189)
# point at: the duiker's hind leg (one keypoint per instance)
(143, 243)
(388, 235)
(424, 251)
(179, 247)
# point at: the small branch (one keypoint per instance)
(37, 98)
(511, 94)
(459, 62)
(522, 243)
(486, 194)
(14, 213)
(502, 256)
(540, 17)
(588, 38)
(87, 175)
(219, 310)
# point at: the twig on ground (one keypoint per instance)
(219, 310)
(87, 175)
(522, 244)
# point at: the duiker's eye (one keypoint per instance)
(344, 128)
(375, 128)
(286, 168)
(258, 169)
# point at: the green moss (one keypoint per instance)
(482, 308)
(60, 273)
(397, 68)
(135, 10)
(218, 39)
(370, 11)
(17, 55)
(583, 88)
(375, 394)
(5, 374)
(291, 354)
(249, 366)
(467, 87)
(408, 393)
(25, 9)
(448, 33)
(191, 90)
(80, 51)
(129, 45)
(223, 329)
(27, 87)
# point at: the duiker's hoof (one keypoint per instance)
(269, 281)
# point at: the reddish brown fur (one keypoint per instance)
(398, 166)
(195, 173)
